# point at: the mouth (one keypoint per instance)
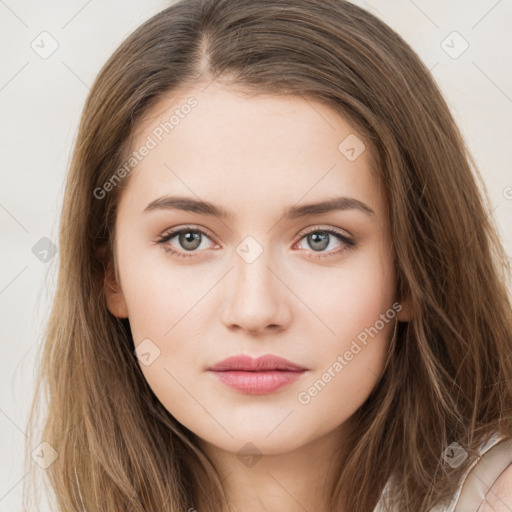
(263, 375)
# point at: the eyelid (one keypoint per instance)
(312, 229)
(191, 227)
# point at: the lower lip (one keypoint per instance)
(258, 383)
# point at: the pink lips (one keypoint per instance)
(257, 376)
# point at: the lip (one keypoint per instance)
(248, 364)
(258, 376)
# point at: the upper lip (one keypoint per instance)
(249, 364)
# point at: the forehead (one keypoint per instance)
(244, 151)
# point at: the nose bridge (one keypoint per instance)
(255, 298)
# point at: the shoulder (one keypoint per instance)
(499, 497)
(487, 486)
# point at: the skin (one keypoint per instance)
(256, 156)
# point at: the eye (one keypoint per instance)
(320, 239)
(188, 238)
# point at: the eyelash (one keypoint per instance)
(168, 249)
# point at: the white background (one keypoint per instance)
(40, 106)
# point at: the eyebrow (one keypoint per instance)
(189, 204)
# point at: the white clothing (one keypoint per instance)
(495, 456)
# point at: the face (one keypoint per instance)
(257, 271)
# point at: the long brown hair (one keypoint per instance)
(449, 377)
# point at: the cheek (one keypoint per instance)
(166, 313)
(345, 381)
(162, 322)
(356, 305)
(350, 298)
(160, 294)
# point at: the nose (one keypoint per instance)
(255, 297)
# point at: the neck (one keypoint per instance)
(297, 480)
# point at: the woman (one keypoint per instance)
(280, 286)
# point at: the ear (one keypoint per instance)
(115, 299)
